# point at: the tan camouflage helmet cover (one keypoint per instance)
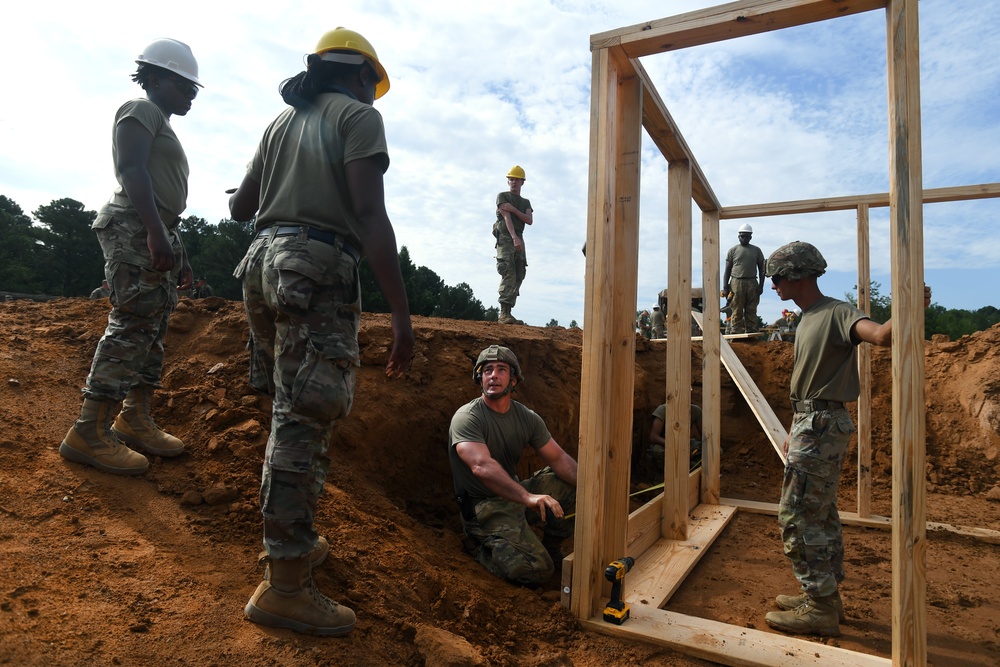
(795, 261)
(496, 353)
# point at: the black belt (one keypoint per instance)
(815, 405)
(320, 235)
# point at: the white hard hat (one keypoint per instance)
(172, 56)
(745, 228)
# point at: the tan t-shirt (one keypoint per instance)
(826, 359)
(300, 163)
(167, 164)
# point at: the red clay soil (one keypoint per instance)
(155, 570)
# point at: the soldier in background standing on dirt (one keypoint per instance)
(824, 378)
(316, 187)
(659, 330)
(513, 213)
(486, 440)
(745, 279)
(144, 262)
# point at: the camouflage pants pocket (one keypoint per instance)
(508, 547)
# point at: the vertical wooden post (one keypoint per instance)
(909, 539)
(711, 381)
(864, 369)
(609, 328)
(677, 430)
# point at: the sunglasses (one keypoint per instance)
(186, 87)
(776, 279)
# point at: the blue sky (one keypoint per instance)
(478, 87)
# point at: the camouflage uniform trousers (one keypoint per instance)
(130, 352)
(807, 514)
(512, 266)
(303, 304)
(746, 297)
(506, 544)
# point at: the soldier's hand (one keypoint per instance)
(402, 345)
(544, 504)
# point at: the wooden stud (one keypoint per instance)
(677, 427)
(711, 377)
(864, 369)
(909, 539)
(609, 337)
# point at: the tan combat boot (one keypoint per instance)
(794, 601)
(505, 316)
(136, 427)
(92, 443)
(816, 616)
(288, 598)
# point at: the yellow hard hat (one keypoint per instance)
(516, 172)
(342, 39)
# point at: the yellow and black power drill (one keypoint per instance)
(617, 609)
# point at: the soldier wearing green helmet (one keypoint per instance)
(486, 440)
(824, 379)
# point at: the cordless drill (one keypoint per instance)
(617, 609)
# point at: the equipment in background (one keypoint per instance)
(616, 610)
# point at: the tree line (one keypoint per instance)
(54, 252)
(937, 319)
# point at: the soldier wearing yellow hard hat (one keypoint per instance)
(316, 188)
(513, 213)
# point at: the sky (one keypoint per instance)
(479, 87)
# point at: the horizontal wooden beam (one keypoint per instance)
(851, 202)
(728, 644)
(723, 22)
(873, 521)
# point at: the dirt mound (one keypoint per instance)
(156, 570)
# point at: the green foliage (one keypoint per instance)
(573, 324)
(426, 293)
(215, 250)
(552, 323)
(459, 303)
(937, 319)
(67, 257)
(958, 323)
(17, 247)
(57, 254)
(881, 306)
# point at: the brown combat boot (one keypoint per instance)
(136, 427)
(816, 616)
(288, 598)
(91, 442)
(794, 601)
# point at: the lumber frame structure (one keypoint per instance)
(669, 533)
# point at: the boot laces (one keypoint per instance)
(321, 601)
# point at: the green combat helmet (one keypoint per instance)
(795, 261)
(496, 353)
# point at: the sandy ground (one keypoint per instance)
(155, 570)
